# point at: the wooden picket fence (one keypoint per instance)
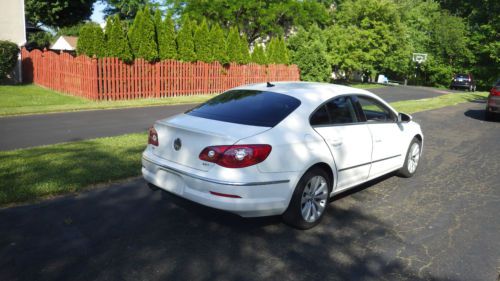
(112, 79)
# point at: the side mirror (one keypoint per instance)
(403, 117)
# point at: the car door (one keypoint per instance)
(386, 134)
(349, 141)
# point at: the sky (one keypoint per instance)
(97, 15)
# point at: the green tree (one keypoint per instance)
(126, 9)
(185, 43)
(117, 43)
(258, 55)
(58, 13)
(143, 36)
(166, 40)
(135, 33)
(272, 51)
(91, 41)
(218, 43)
(233, 45)
(244, 50)
(313, 62)
(202, 44)
(256, 18)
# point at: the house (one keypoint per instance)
(12, 28)
(65, 43)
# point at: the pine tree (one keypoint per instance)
(233, 45)
(117, 44)
(244, 51)
(91, 41)
(166, 40)
(158, 26)
(218, 43)
(185, 44)
(148, 48)
(202, 44)
(258, 55)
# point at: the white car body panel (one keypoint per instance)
(350, 151)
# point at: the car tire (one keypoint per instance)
(309, 201)
(488, 116)
(412, 159)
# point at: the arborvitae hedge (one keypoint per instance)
(233, 45)
(218, 43)
(166, 40)
(244, 51)
(258, 55)
(116, 40)
(202, 44)
(91, 41)
(152, 38)
(134, 32)
(185, 44)
(148, 48)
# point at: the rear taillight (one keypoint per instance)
(236, 156)
(495, 91)
(153, 137)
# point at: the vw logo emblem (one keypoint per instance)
(177, 144)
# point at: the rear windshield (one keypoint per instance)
(462, 76)
(247, 107)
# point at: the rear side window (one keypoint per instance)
(337, 111)
(247, 107)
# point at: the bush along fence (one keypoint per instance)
(112, 79)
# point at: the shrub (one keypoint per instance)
(218, 43)
(147, 46)
(244, 51)
(233, 45)
(202, 44)
(312, 62)
(166, 40)
(8, 57)
(258, 55)
(91, 41)
(185, 44)
(117, 43)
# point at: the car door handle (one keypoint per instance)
(378, 140)
(336, 142)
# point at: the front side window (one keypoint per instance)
(337, 111)
(374, 111)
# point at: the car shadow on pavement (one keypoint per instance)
(130, 233)
(479, 115)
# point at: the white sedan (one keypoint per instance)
(280, 149)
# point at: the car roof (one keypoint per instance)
(310, 94)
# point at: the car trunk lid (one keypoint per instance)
(182, 138)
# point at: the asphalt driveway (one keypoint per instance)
(442, 224)
(34, 130)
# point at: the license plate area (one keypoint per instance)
(170, 182)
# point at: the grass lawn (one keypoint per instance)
(366, 85)
(32, 99)
(34, 173)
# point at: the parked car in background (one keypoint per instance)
(280, 149)
(463, 81)
(493, 104)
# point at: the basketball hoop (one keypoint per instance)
(419, 57)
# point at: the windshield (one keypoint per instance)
(247, 107)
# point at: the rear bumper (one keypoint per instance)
(258, 198)
(493, 104)
(460, 84)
